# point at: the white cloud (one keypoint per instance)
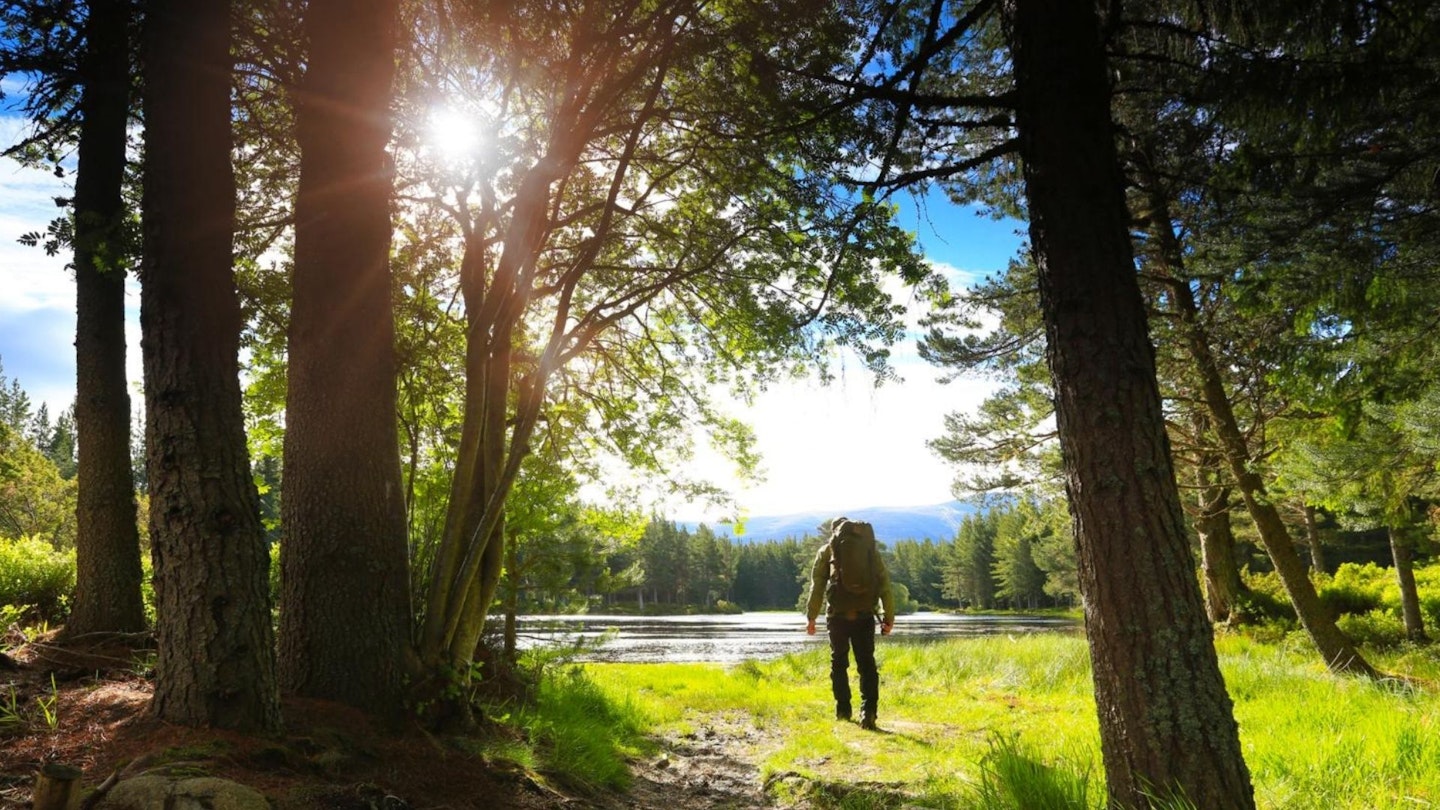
(37, 292)
(30, 280)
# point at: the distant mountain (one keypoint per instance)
(937, 522)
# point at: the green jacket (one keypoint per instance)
(820, 579)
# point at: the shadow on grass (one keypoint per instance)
(793, 787)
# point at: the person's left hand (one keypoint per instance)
(810, 627)
(886, 627)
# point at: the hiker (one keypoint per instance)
(850, 576)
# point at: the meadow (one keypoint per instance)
(999, 722)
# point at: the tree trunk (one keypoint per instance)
(57, 787)
(468, 563)
(1405, 576)
(1166, 722)
(345, 619)
(1338, 651)
(512, 601)
(216, 664)
(107, 541)
(1217, 544)
(1312, 539)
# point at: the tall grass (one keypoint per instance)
(577, 732)
(1010, 723)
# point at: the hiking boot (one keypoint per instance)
(867, 721)
(842, 713)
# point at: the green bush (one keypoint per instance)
(1265, 599)
(1427, 582)
(724, 606)
(1357, 589)
(1376, 628)
(33, 574)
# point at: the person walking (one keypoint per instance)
(851, 580)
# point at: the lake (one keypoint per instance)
(732, 638)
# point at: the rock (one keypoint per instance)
(155, 792)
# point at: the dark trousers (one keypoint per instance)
(859, 634)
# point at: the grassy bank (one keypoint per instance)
(965, 721)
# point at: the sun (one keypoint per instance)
(455, 135)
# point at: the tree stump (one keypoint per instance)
(57, 787)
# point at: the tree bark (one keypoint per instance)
(216, 664)
(1217, 543)
(107, 543)
(345, 619)
(512, 602)
(57, 787)
(1166, 722)
(468, 562)
(1312, 540)
(1404, 557)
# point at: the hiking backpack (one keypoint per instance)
(853, 577)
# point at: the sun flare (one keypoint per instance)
(455, 135)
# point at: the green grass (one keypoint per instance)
(575, 732)
(1010, 723)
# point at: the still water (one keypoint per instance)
(728, 639)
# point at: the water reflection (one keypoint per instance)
(727, 639)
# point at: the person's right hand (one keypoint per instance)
(810, 627)
(886, 627)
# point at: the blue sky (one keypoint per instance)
(37, 292)
(806, 432)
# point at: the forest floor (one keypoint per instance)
(89, 709)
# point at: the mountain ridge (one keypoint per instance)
(937, 522)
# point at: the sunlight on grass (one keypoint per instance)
(1315, 740)
(579, 732)
(966, 723)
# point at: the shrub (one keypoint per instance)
(1375, 628)
(1265, 599)
(1356, 589)
(724, 606)
(34, 574)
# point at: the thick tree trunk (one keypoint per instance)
(1338, 651)
(1166, 722)
(1404, 558)
(107, 543)
(1217, 544)
(216, 664)
(345, 619)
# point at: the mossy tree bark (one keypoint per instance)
(1166, 721)
(1223, 586)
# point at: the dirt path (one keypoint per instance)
(711, 768)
